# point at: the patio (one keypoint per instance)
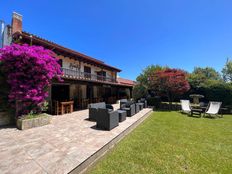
(69, 143)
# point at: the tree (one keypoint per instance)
(170, 83)
(203, 76)
(143, 77)
(143, 81)
(219, 92)
(29, 71)
(139, 91)
(227, 71)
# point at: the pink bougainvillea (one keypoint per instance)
(29, 71)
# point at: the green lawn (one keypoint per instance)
(169, 142)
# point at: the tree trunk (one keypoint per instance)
(169, 101)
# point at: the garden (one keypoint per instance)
(164, 87)
(167, 142)
(171, 142)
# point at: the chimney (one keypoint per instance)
(16, 23)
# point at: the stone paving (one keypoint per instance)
(56, 148)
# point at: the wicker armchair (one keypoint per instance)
(129, 107)
(107, 120)
(144, 101)
(93, 108)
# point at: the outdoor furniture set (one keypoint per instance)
(144, 101)
(82, 103)
(107, 118)
(213, 108)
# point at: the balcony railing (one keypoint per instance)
(75, 74)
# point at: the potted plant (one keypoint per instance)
(32, 120)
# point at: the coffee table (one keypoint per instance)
(140, 106)
(137, 108)
(122, 115)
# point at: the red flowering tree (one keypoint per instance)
(169, 82)
(29, 71)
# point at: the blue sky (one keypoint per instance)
(131, 34)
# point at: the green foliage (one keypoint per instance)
(139, 91)
(206, 81)
(203, 76)
(44, 106)
(154, 101)
(32, 115)
(227, 71)
(218, 92)
(143, 77)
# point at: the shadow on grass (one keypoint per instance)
(210, 117)
(194, 116)
(162, 110)
(199, 116)
(186, 114)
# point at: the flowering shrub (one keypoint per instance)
(29, 71)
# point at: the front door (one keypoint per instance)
(89, 92)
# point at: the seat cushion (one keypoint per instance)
(129, 103)
(101, 105)
(110, 110)
(123, 101)
(126, 109)
(121, 111)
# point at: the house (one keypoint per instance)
(86, 79)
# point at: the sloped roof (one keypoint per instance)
(56, 47)
(126, 81)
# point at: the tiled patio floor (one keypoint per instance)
(58, 147)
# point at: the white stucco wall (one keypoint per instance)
(94, 69)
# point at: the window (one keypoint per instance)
(87, 69)
(60, 61)
(101, 75)
(87, 72)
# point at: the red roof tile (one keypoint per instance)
(125, 81)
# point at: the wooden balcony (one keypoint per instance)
(75, 74)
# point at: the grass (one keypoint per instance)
(169, 142)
